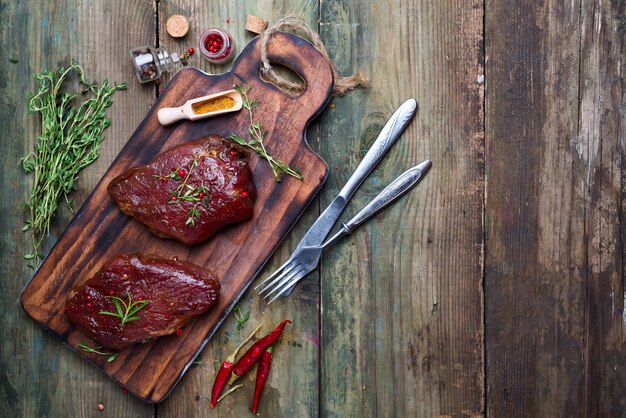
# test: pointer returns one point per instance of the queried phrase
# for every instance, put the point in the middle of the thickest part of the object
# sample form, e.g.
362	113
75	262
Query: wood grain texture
402	318
602	135
554	280
100	230
39	376
292	387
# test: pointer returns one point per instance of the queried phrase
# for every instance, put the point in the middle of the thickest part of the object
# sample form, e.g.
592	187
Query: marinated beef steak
189	192
175	291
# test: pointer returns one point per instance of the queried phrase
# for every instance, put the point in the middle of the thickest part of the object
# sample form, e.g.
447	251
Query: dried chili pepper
261	376
255	352
224	372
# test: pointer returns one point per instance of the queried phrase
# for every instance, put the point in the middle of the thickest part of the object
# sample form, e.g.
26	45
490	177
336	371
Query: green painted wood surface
528	176
402	300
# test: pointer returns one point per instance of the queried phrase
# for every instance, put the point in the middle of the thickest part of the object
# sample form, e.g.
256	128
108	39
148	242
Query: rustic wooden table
495	288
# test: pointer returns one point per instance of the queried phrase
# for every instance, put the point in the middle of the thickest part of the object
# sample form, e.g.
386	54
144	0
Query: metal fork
308	258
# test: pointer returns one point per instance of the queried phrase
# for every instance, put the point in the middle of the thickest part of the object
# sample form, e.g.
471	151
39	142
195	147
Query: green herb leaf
241	318
71	134
130	307
111	356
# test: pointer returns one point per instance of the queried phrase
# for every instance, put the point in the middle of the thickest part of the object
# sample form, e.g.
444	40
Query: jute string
297	25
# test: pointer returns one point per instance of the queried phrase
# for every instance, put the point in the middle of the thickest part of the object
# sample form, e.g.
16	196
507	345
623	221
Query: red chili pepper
224	371
255	352
261	376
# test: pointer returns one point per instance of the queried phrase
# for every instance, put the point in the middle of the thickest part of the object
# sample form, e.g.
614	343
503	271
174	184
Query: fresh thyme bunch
71	134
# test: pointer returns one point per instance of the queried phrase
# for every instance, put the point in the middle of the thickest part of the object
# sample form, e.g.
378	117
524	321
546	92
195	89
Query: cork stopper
177	26
255	24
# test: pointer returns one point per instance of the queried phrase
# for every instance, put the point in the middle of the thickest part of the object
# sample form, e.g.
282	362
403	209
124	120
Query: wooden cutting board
100	230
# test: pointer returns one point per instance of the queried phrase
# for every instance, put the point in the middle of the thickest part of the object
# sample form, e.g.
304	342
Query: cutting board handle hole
288	74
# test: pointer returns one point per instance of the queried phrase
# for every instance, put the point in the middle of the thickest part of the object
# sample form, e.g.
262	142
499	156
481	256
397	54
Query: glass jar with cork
150	63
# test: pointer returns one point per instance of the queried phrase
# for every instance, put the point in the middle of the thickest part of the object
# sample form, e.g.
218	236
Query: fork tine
278	270
286	270
292	282
286	279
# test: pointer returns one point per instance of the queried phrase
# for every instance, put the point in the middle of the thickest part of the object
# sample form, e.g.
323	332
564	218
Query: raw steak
189	192
176	291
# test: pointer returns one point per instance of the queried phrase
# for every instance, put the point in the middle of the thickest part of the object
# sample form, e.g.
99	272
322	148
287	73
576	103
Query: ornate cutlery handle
390	194
387	137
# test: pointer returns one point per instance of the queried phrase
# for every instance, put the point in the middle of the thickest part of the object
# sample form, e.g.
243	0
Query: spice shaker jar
217	46
150	63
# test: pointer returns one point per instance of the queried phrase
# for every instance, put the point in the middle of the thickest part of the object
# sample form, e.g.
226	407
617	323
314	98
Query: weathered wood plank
602	134
535	251
291	389
553	279
402	300
40	376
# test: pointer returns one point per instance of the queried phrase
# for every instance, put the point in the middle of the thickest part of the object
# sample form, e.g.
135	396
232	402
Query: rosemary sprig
71	134
111	356
187	193
192	215
241	318
130	308
256	139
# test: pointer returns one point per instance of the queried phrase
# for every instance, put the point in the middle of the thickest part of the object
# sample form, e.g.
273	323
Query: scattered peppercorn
100	407
89	305
244	194
182	172
179	332
125	391
174	197
190	51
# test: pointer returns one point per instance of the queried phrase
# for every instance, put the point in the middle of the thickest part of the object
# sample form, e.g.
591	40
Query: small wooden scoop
225	102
